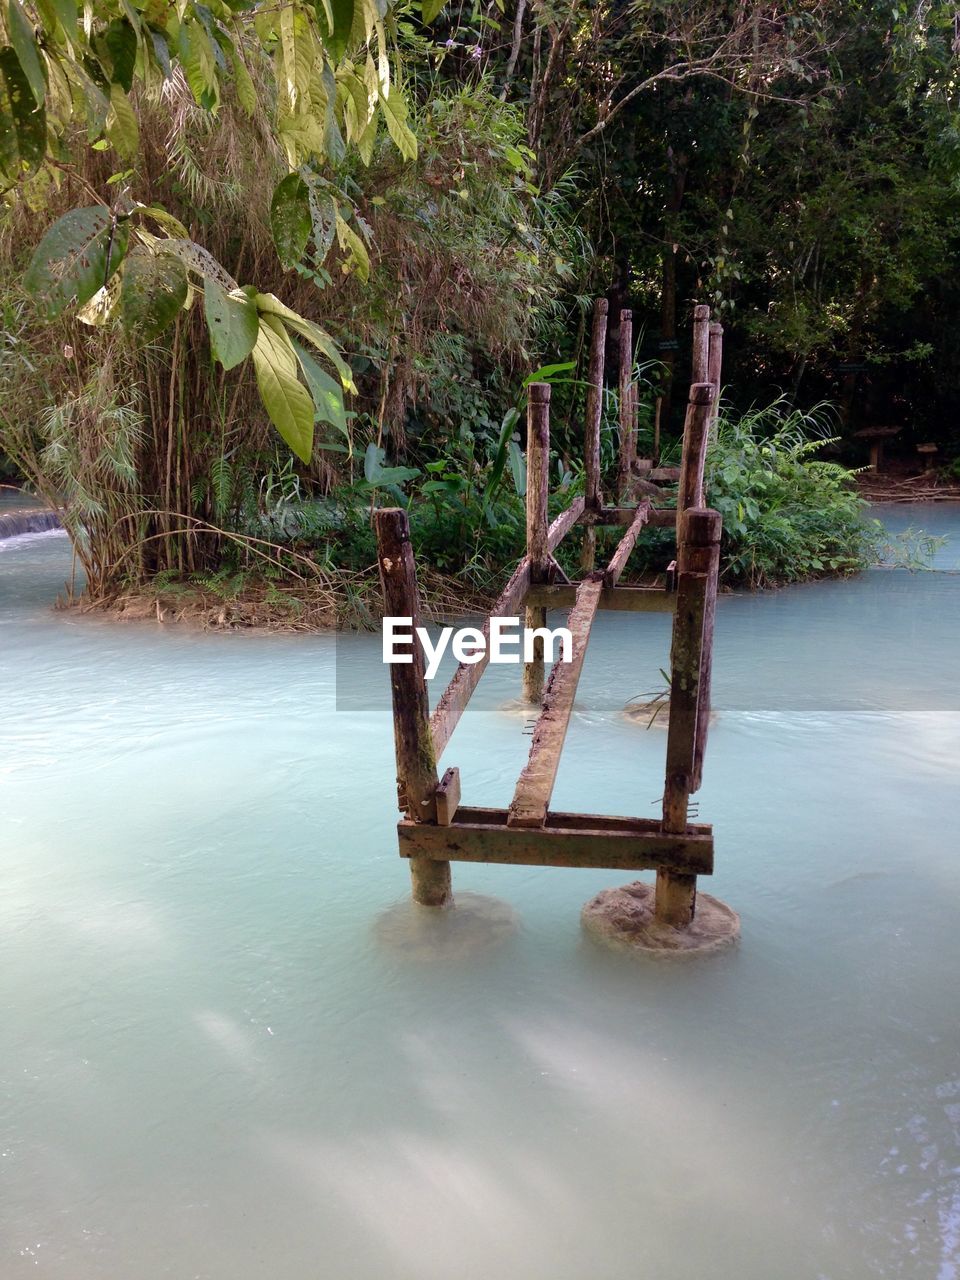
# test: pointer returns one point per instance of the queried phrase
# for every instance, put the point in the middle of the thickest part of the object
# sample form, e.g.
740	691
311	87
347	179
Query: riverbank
294	594
335	602
895	487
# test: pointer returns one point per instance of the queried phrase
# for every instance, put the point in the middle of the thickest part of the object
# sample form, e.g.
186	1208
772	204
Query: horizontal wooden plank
618	561
535	784
455	697
478	815
665	473
609	517
631	847
561	526
619	599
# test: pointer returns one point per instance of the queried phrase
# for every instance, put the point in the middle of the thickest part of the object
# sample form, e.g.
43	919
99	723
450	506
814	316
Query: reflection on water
219	1056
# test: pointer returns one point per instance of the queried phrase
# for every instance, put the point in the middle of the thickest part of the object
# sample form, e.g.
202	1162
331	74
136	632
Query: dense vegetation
294	260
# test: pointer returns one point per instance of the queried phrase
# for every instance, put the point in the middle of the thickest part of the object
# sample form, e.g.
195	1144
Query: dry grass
343	601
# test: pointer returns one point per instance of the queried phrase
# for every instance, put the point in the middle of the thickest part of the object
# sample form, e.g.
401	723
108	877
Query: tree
322	78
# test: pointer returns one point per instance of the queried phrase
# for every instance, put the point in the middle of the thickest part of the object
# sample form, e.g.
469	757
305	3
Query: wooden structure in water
437	828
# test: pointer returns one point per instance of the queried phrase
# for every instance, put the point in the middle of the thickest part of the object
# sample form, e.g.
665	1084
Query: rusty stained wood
538	548
706	559
627	436
700	530
448	796
701	344
618	561
598	342
538	477
611	517
567	840
695	437
531	797
561	525
416	763
465	679
591	432
616	599
684	694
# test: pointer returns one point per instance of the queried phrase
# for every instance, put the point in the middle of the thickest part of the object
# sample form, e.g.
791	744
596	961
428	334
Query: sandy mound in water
624	918
652	715
473	925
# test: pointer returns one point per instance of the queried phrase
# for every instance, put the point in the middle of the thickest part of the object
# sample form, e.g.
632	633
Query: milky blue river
229	1051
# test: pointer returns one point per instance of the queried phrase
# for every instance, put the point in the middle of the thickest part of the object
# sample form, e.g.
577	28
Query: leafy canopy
323	77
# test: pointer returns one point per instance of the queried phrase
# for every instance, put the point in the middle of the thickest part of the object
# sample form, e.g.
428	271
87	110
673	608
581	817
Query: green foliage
787	516
329	77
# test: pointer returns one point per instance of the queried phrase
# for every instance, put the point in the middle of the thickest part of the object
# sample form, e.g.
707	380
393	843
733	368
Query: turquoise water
224	1056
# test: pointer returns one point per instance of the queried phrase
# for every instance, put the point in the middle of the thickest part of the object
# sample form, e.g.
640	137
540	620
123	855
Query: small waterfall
13	523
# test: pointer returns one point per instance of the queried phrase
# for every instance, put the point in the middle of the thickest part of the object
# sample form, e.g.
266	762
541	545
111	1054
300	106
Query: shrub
786	514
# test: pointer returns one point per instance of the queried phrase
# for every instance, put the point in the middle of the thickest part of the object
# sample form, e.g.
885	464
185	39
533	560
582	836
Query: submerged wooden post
627	440
700	363
699	539
416	765
592	494
705	559
538	551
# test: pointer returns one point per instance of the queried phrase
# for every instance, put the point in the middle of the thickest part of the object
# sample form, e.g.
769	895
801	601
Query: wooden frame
437	829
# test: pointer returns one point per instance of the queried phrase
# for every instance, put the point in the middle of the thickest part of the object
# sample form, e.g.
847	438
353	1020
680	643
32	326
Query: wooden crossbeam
535	784
455	697
618	561
608	517
564	522
617	599
566	840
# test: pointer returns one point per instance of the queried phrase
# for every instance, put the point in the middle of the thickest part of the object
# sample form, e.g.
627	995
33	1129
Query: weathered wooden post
700	364
538	483
591	434
711	565
697	560
416	765
695	439
627	438
715	371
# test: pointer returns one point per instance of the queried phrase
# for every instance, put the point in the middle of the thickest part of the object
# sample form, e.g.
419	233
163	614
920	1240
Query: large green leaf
395	113
430	9
153	290
22	39
327	393
285	398
122	131
376	474
66	12
76	257
246	93
290	219
199	63
232	321
121	42
23	125
339	37
270	305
